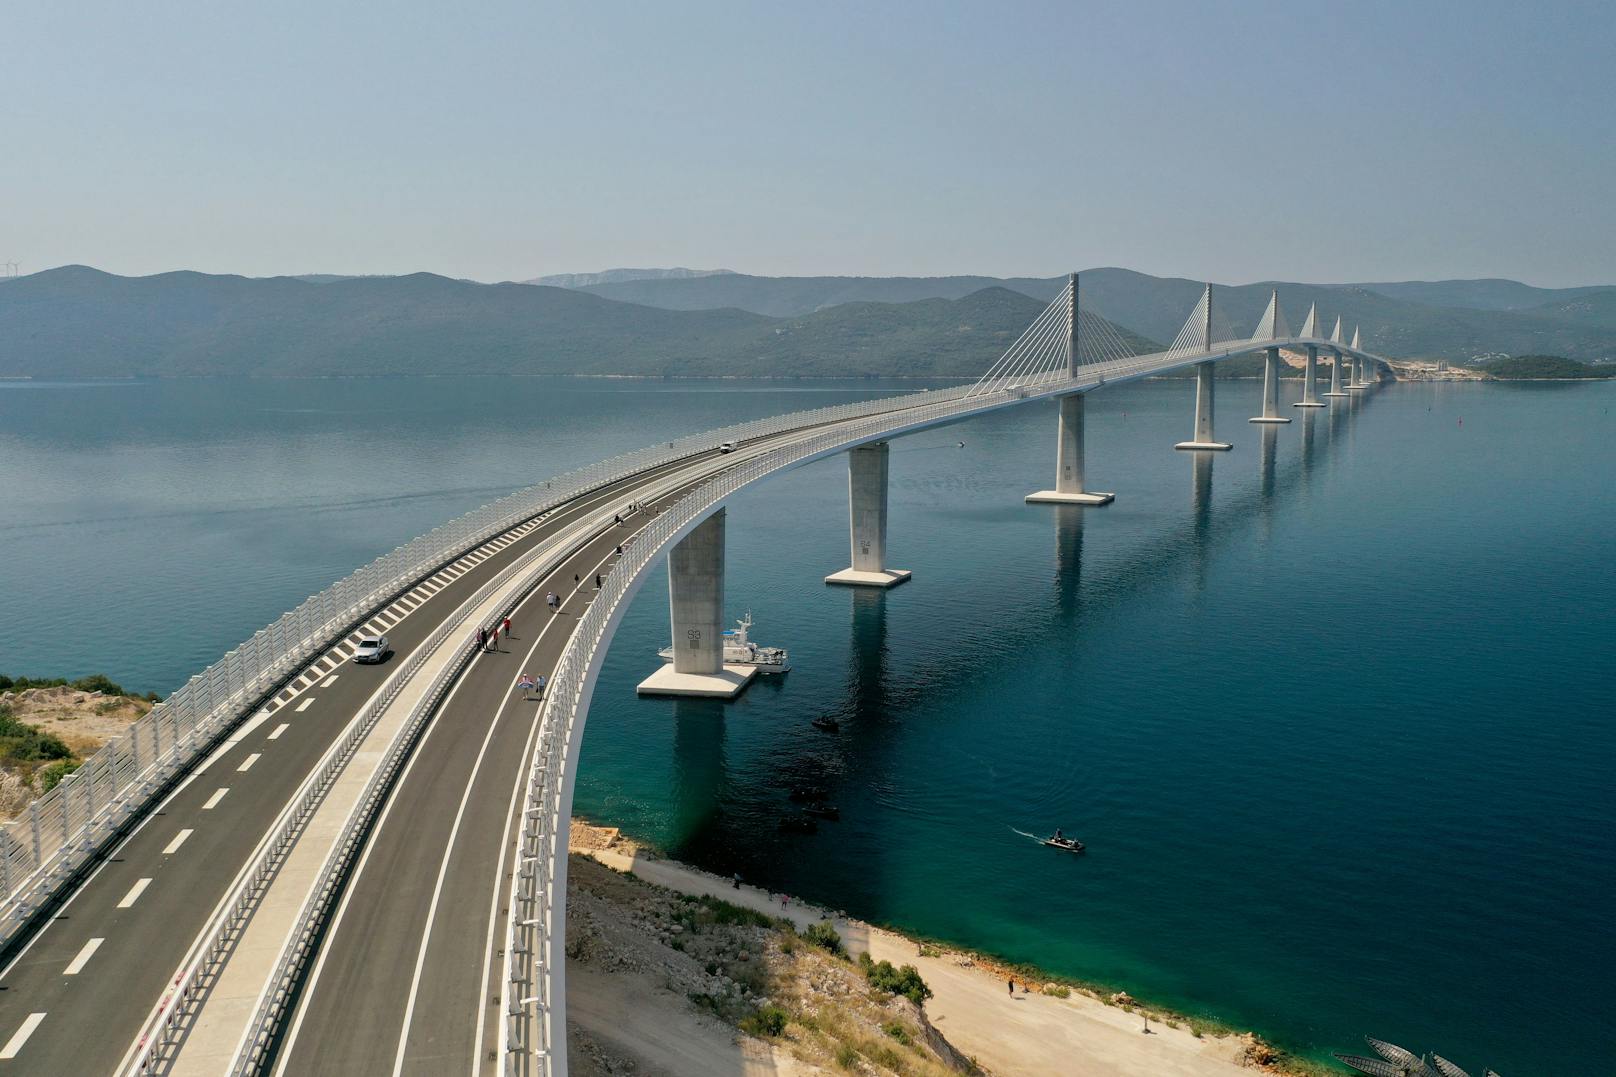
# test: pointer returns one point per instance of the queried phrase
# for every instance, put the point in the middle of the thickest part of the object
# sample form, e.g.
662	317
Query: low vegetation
50	725
903	981
24	747
1545	368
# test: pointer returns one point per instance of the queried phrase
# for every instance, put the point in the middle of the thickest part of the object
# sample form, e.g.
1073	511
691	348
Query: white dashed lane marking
14	1044
174	846
84	956
283	727
303	706
215	798
134	893
246	764
329	681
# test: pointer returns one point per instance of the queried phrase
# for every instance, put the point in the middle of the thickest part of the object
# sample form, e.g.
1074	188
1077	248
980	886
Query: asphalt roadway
74	996
407	981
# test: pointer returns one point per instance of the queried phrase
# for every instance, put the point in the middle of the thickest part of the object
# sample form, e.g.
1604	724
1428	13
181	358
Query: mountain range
79	322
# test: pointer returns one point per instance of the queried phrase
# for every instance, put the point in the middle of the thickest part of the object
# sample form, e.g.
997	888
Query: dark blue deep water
1331	710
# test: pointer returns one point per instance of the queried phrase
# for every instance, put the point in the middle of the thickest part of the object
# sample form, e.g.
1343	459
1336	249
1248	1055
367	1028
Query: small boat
828	725
739	650
798	825
824	811
1061	841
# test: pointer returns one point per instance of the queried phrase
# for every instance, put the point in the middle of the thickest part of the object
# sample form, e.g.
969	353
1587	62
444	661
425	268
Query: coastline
1050	1023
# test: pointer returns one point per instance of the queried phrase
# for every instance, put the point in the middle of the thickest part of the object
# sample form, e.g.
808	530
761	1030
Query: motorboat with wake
739	650
1058	840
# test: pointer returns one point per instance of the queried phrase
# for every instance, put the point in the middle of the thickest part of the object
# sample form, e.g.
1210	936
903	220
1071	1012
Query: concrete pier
1335	377
867	515
1069	488
1270	389
696	605
1356	372
1204	438
1310	381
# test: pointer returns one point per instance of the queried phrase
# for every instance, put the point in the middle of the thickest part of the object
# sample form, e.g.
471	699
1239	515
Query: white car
371	649
728	446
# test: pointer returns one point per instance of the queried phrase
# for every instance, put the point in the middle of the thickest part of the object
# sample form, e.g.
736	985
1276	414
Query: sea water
1332	710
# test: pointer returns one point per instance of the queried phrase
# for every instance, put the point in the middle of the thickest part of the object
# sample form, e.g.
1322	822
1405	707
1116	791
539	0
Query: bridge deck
408	972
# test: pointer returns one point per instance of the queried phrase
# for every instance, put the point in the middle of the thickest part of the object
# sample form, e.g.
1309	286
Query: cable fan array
1043	354
1203	334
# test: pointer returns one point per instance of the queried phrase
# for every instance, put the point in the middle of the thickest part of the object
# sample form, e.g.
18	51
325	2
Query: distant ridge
1579	322
79	322
617	276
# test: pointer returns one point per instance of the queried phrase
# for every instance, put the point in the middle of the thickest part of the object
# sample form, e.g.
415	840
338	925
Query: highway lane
407	978
151	896
429	866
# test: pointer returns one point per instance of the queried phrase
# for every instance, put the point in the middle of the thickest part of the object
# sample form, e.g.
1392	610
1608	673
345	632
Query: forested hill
1458	320
77	322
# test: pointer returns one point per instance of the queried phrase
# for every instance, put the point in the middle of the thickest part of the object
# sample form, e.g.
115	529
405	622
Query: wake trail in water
1024	834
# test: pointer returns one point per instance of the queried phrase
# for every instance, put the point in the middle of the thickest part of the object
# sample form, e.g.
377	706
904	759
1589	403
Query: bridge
297	864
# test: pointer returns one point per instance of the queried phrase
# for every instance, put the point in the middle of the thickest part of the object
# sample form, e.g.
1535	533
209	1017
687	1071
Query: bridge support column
1069	461
696	603
867	512
1204	438
1310	381
1356	372
1335	377
1270	389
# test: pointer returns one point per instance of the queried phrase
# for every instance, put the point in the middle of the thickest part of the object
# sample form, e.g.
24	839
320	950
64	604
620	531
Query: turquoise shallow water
1332	712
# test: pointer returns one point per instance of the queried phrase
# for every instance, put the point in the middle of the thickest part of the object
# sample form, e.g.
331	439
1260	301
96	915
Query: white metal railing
281	986
532	1039
534	925
188	989
62	831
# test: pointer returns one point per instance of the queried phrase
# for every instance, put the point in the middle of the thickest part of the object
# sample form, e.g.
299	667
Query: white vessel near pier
739	650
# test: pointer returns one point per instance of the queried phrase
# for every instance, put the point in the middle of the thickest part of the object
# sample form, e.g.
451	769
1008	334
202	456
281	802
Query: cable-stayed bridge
300	865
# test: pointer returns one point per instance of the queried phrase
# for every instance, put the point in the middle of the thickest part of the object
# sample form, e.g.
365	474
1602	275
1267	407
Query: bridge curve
694	481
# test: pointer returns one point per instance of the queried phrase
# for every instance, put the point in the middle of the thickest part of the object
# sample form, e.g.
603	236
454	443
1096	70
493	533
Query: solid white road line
14	1044
215	798
276	733
134	893
303	706
179	839
84	955
329	681
246	764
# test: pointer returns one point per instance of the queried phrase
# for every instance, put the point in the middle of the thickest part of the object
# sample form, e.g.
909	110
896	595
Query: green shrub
897	1032
722	912
22	744
1058	990
95	682
767	1023
903	981
823	935
52	776
847	1056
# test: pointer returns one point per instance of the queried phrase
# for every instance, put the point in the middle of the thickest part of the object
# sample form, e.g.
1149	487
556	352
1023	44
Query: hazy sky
492	140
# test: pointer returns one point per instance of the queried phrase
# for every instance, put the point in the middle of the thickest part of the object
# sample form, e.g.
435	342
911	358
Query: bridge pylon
867	516
1069	488
1204	387
696	610
1268	329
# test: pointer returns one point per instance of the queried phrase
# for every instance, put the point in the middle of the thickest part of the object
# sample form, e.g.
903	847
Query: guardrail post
33	826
